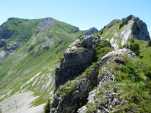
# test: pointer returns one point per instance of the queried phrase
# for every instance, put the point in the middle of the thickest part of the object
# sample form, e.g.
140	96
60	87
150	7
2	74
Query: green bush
91	108
134	47
137	96
102	48
67	88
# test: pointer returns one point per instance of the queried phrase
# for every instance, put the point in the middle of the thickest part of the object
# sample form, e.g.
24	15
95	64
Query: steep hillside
30	51
97	77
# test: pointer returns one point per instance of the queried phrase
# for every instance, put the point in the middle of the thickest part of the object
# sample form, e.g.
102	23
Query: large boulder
2	43
69	101
76	59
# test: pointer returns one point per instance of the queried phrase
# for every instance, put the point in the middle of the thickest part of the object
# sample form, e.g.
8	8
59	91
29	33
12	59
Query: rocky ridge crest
85	85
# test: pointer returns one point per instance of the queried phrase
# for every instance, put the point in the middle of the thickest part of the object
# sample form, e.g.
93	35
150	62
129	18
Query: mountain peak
91	31
138	27
118	32
131	17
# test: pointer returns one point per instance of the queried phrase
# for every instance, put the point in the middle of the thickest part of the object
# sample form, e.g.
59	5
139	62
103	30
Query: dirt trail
20	103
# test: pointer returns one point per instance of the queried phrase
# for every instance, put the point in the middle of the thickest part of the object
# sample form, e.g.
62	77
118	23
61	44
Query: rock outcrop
87	86
77	97
102	99
133	27
138	29
45	24
78	56
118	32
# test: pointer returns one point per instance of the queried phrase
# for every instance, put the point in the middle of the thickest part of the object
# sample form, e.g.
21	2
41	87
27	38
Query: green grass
39	53
133	79
110	30
132	83
34	56
102	48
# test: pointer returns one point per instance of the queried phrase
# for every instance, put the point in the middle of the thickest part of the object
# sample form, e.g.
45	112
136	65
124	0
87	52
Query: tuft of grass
102	48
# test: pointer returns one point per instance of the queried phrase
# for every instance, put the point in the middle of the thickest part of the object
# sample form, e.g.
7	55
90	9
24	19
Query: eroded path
20	103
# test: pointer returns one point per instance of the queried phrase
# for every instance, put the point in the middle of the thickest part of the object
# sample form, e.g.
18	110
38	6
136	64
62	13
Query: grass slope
32	65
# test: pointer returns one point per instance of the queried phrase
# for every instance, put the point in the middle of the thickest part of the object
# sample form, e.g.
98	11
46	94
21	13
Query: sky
81	13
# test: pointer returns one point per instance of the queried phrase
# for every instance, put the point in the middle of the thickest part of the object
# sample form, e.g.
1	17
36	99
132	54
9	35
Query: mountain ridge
76	71
29	66
99	88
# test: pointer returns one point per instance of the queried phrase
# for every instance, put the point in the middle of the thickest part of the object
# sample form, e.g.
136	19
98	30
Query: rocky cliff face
77	57
93	76
86	87
118	32
140	30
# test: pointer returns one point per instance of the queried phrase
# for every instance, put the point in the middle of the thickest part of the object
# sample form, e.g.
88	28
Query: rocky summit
118	32
48	66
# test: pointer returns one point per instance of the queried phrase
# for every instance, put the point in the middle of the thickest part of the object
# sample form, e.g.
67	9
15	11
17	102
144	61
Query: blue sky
82	13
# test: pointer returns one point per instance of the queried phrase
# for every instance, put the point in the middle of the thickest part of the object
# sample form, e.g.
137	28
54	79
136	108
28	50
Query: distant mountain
29	53
16	32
